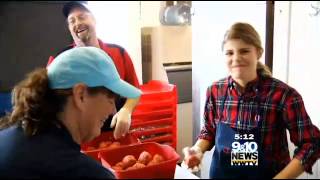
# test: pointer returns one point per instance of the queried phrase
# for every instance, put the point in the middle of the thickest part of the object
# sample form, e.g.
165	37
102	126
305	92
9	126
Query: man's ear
79	95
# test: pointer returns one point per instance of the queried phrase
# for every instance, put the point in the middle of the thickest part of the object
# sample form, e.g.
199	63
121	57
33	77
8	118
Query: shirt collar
101	44
251	86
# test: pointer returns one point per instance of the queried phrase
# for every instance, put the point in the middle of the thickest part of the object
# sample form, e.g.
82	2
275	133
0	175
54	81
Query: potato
128	160
104	144
152	162
117	168
136	166
192	161
139	165
119	164
145	158
131	168
114	145
158	158
90	148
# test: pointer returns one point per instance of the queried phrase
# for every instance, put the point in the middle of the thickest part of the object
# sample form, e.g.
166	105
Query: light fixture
178	14
315	5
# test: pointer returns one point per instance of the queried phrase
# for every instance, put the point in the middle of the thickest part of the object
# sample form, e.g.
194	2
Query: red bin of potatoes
141	161
106	141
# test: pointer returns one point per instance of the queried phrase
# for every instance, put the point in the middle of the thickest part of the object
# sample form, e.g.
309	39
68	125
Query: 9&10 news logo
245	154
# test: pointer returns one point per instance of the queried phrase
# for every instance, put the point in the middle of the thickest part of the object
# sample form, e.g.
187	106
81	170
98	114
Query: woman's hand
192	158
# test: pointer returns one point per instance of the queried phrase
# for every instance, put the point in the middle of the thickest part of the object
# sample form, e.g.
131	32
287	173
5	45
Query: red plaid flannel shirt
281	109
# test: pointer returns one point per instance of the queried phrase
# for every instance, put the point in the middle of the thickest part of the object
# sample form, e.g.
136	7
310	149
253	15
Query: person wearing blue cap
55	109
82	26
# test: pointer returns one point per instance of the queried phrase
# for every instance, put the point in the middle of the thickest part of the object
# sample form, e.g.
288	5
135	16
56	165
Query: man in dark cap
82	26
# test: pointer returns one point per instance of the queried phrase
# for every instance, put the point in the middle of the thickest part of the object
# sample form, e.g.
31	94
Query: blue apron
239	153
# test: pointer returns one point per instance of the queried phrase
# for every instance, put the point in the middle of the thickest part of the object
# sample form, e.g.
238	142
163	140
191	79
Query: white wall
119	22
150	13
296	56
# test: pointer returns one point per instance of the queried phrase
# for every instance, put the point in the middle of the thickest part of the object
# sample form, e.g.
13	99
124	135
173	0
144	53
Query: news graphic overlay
244	150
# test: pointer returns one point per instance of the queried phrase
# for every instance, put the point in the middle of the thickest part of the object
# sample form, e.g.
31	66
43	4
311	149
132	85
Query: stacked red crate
155	117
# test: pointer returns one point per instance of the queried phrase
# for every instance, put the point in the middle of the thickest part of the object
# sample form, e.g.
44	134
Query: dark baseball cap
74	4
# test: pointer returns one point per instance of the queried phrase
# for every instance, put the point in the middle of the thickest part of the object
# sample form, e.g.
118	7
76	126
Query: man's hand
122	121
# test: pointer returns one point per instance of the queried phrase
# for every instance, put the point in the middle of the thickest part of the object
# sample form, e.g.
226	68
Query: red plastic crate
165	169
168	100
155	106
159	130
142	124
155	117
157	87
154	126
157	90
129	139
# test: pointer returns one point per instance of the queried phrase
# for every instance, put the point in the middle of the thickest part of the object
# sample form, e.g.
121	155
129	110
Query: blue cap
91	66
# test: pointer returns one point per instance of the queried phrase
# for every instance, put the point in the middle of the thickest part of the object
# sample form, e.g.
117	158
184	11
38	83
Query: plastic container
152	129
152	123
154	126
155	105
165	169
155	117
157	87
157	90
129	139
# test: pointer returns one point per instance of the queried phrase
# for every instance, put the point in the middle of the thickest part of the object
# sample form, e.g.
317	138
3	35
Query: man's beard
83	40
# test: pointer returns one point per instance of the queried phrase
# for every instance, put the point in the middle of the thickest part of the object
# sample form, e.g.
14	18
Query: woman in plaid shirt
246	117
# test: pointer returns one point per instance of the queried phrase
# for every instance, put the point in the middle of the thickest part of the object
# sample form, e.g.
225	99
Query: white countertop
182	173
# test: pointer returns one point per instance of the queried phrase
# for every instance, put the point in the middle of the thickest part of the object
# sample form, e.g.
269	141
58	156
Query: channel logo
245	154
244	159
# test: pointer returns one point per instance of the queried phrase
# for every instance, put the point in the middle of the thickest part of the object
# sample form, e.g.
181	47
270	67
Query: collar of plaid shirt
240	101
